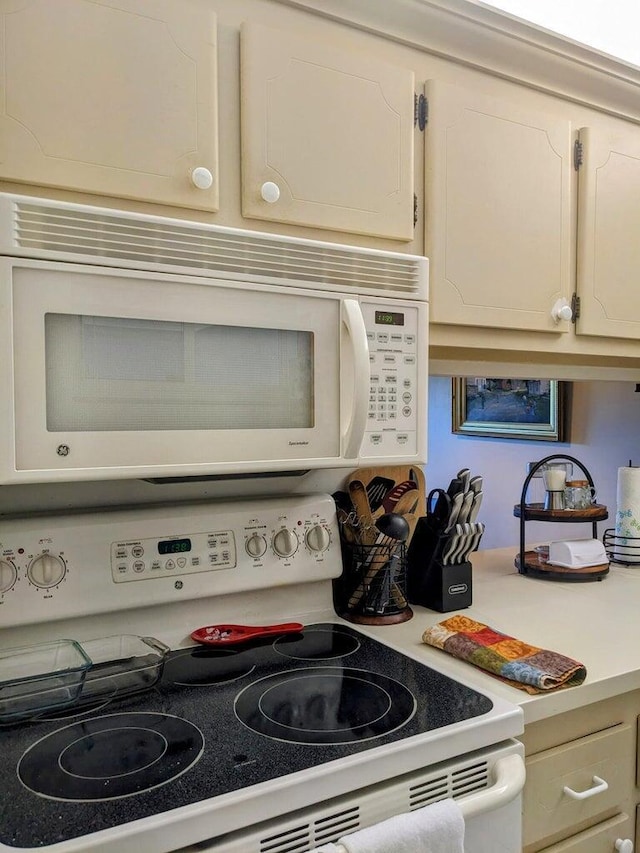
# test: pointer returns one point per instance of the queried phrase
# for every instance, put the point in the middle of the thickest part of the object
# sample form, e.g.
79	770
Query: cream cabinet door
327	136
116	97
498	211
608	233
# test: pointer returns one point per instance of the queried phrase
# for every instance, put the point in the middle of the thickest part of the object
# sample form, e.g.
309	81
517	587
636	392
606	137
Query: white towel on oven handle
438	828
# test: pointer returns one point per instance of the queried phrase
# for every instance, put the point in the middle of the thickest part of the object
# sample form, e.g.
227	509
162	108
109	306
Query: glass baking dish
121	665
39	678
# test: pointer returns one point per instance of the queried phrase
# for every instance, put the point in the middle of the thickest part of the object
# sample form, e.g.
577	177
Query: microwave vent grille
55	231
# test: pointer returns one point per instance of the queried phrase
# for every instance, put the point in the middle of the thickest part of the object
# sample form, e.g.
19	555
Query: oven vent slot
298	838
469	778
332	826
295	840
57	231
429	791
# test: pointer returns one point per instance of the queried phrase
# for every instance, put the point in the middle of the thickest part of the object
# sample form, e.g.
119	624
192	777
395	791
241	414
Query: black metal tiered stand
528	562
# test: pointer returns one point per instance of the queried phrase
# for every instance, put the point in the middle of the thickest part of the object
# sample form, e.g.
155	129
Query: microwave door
123	374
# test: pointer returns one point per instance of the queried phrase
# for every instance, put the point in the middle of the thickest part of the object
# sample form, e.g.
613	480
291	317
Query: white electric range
277	745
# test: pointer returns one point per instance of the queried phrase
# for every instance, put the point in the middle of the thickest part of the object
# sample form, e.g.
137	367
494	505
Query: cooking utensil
393	496
377	489
451	544
228	635
465	508
475	506
464	474
475	484
454	487
360	500
456	503
438	509
475	539
407	504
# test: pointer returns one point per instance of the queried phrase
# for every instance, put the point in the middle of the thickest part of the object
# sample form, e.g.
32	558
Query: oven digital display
389	318
174	546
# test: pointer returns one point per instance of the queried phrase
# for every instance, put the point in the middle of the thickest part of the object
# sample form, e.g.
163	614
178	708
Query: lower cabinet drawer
598	839
570	786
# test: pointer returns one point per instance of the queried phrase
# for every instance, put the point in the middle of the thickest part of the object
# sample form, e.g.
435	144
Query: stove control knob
285	543
46	571
255	545
318	538
8	575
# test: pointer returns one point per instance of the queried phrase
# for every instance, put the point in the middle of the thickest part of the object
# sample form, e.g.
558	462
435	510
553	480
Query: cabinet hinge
575	307
420	111
577	154
415	210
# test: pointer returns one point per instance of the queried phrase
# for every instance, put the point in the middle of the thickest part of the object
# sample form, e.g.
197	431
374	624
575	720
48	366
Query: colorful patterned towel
519	664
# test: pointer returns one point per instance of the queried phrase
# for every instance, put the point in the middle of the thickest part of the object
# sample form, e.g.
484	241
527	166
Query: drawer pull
599	786
624	845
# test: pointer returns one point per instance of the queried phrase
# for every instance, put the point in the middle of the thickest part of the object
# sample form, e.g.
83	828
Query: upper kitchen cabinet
608	229
327	136
498	211
116	98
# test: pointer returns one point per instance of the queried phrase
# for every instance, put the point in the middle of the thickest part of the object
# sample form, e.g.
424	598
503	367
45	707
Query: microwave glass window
112	373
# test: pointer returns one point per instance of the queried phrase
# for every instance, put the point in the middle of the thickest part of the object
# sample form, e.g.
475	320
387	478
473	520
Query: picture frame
530	409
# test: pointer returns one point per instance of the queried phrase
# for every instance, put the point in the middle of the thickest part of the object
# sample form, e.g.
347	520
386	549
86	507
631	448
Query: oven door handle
509	775
357	335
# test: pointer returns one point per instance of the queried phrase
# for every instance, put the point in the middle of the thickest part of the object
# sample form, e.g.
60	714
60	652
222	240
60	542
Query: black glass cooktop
218	721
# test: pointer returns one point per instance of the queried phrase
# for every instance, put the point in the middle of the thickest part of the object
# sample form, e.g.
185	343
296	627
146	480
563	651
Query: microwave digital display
174	546
389	318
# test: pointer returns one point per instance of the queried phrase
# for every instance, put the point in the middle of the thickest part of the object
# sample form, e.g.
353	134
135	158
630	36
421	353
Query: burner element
325	705
112	753
204	667
324	643
116	755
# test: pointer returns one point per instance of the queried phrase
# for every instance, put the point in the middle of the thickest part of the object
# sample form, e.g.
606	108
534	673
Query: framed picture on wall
534	409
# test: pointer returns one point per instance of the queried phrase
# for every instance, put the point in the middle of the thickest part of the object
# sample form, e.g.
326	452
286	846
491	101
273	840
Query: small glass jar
578	494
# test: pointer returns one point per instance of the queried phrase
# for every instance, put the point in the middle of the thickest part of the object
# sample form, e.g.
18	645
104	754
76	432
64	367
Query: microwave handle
357	332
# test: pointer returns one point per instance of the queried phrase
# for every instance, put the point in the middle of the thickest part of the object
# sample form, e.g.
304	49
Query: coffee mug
579	495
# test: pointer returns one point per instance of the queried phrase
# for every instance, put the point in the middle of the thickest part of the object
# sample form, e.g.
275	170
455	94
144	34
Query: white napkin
438	828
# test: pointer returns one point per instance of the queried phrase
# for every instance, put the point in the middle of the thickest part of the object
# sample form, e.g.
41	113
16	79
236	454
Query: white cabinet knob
201	178
624	845
270	192
561	310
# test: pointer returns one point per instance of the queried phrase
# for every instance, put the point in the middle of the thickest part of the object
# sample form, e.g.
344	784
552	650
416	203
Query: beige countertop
597	623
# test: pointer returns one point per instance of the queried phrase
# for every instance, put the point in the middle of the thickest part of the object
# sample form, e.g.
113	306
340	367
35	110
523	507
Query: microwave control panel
395	391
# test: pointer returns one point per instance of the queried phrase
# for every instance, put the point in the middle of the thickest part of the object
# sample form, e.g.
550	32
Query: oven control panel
59	566
179	554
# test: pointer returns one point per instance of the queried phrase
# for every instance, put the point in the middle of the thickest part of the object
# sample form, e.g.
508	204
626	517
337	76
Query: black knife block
429	583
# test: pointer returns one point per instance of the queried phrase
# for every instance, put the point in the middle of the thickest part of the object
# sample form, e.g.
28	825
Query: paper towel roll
628	516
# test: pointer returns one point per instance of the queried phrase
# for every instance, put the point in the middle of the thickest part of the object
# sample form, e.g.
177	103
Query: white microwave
134	346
